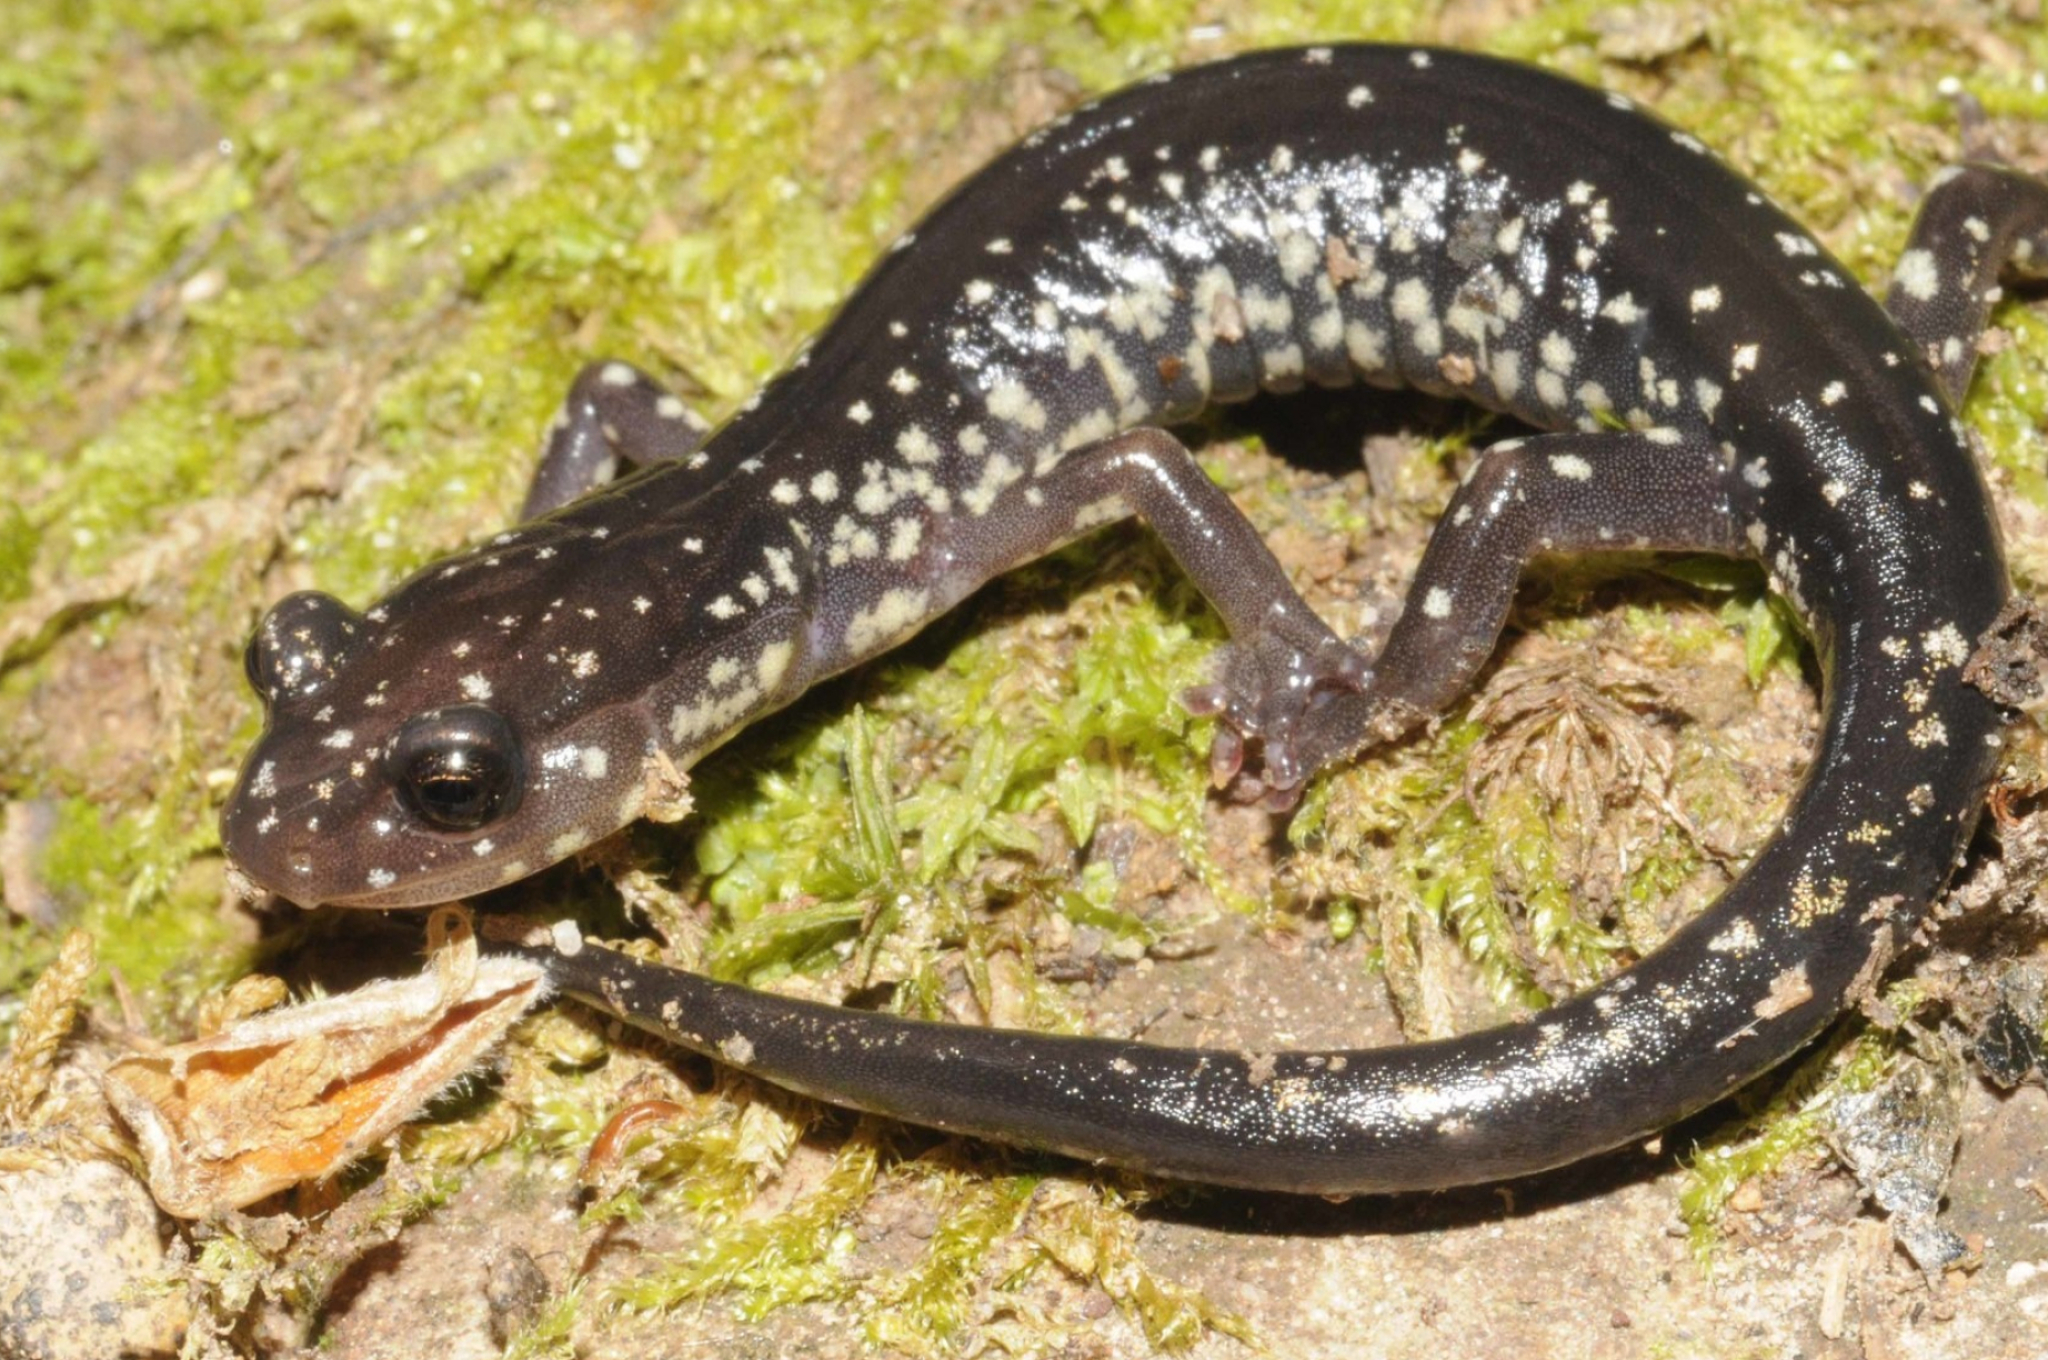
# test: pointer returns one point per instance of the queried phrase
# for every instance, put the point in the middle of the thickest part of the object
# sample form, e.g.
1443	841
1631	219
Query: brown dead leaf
297	1093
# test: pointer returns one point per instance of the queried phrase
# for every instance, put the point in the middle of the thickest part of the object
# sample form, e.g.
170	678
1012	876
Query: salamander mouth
285	852
423	889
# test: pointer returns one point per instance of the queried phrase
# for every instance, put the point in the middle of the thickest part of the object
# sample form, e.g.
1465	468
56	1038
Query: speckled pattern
1712	380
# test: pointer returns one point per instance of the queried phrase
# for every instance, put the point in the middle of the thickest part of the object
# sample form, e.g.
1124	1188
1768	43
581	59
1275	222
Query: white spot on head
1358	96
617	375
1706	299
474	687
1571	467
1743	360
859	413
903	381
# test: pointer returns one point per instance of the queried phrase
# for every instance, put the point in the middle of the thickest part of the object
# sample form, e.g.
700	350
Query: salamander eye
458	768
299	645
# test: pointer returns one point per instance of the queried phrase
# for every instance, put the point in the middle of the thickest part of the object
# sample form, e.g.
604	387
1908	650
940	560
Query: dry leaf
298	1093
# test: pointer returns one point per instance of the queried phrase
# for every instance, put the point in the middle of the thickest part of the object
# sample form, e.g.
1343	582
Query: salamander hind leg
614	413
1981	224
1566	493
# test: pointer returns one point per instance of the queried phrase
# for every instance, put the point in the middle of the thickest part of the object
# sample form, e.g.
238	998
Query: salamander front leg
1565	493
614	412
1981	223
1150	474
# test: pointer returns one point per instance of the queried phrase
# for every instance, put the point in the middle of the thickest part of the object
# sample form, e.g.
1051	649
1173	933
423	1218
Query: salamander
1700	374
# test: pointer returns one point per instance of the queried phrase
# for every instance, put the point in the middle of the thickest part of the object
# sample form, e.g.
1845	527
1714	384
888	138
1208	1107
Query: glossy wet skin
492	715
1712	379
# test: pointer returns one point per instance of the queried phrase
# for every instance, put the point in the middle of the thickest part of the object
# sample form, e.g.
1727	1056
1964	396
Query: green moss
1788	1117
548	1337
2008	403
921	1310
1092	1236
796	1256
1774	637
127	878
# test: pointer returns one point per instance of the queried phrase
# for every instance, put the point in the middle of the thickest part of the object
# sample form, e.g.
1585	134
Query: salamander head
494	715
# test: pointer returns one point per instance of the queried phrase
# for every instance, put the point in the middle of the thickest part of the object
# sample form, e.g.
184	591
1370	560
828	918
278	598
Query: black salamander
1711	380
